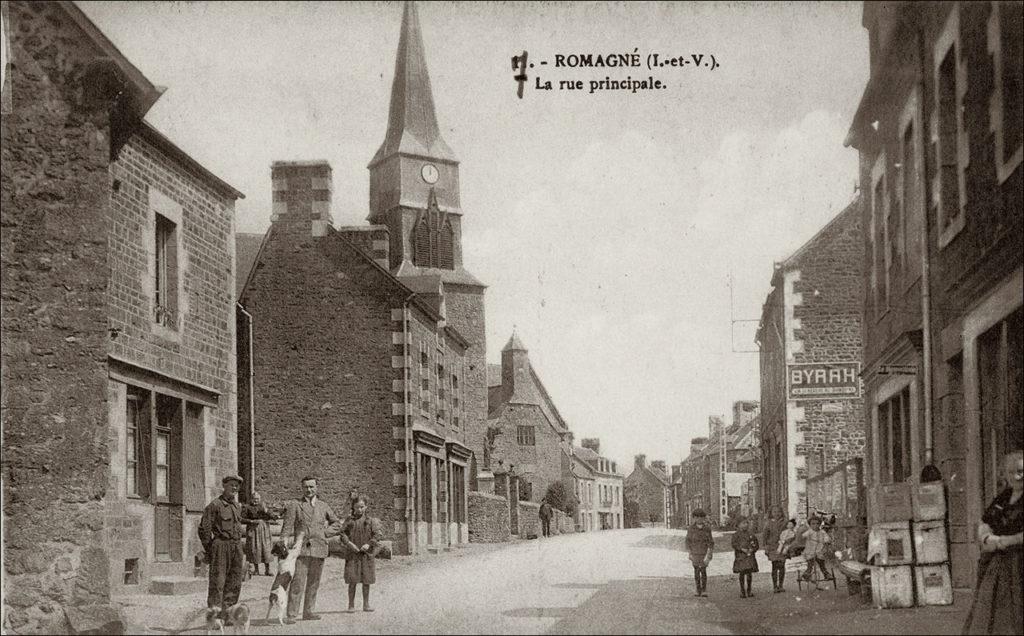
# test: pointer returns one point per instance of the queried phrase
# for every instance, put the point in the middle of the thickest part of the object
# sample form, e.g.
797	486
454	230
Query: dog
286	559
214	623
237	617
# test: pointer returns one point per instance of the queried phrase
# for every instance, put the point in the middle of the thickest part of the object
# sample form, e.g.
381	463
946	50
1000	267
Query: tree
561	497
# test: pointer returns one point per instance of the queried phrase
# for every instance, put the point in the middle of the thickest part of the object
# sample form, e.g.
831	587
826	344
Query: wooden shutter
174	530
193	455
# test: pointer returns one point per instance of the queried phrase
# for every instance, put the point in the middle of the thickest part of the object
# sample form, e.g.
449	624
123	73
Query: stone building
584	481
648	488
368	341
118	331
534	438
690	484
608	483
812	416
939	134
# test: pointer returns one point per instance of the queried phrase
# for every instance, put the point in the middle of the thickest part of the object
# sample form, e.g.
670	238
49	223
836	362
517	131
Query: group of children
782	540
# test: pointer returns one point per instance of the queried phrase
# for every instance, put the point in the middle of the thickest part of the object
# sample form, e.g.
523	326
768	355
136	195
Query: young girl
744	543
361	534
786	538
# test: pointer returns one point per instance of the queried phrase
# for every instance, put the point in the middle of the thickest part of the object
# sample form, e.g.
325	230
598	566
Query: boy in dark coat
700	545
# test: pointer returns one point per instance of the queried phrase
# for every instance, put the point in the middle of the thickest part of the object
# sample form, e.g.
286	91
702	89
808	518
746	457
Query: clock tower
414	192
414	176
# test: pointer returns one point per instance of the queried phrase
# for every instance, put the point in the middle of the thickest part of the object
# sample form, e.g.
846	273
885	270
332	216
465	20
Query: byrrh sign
823	380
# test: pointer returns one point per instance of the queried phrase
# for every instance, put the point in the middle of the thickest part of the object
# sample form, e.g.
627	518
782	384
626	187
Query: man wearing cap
221	532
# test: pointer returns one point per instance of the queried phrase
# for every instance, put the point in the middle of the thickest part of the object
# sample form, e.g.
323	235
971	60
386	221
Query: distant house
608	485
647	487
534	438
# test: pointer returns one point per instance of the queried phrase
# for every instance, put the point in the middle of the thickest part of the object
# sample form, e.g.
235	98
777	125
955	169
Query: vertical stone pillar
485	482
513	503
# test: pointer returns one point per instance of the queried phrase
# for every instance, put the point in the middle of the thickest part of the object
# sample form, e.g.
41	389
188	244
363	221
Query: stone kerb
489	520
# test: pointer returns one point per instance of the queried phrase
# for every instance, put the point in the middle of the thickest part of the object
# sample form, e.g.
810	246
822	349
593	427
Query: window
948	132
912	213
426	488
1001	388
166	280
879	218
434	240
525	436
894	424
1007	101
136	431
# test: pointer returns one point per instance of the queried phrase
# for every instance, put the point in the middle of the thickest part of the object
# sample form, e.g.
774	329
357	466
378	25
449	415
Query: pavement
612	581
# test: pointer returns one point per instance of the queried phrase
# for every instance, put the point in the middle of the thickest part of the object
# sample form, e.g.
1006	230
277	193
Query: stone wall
539	464
488	518
529	520
562	523
55	189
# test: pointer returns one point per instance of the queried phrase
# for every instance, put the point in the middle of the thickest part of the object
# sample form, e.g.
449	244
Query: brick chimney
697	444
640	461
592	443
677	470
302	195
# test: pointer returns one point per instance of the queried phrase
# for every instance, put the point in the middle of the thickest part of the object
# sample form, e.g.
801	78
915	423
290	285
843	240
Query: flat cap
232	478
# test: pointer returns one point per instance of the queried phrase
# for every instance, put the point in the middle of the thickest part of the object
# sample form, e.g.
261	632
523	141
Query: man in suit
317	521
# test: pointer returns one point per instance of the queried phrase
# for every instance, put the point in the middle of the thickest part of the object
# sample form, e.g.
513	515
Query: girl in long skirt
744	544
770	539
998	606
361	534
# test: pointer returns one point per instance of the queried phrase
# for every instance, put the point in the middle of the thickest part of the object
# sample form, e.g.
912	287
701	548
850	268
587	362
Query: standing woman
998	606
257	534
773	529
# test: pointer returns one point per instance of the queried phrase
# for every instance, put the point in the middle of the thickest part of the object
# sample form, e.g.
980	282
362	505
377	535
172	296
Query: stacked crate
908	542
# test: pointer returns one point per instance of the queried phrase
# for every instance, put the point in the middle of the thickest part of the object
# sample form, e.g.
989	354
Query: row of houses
720	472
892	340
149	349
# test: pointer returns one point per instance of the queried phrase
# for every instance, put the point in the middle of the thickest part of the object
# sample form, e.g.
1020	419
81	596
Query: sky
628	238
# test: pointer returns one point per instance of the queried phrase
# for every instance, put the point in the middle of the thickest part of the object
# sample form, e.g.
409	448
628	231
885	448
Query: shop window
1001	387
136	433
894	423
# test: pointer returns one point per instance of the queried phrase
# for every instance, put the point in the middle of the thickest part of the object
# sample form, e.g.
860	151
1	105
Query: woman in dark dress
258	543
998	606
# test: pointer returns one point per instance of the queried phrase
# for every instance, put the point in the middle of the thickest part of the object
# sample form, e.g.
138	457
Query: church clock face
429	173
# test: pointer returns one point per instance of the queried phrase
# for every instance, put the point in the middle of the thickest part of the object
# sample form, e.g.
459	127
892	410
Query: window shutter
193	465
174	531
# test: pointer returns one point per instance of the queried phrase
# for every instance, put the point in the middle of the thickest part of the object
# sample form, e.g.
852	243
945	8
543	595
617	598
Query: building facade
812	416
939	134
118	344
607	481
648	488
532	436
371	336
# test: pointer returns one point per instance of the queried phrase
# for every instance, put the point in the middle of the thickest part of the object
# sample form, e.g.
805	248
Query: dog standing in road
285	571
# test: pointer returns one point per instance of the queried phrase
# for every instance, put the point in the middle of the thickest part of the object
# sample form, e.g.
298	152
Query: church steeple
412	121
414	176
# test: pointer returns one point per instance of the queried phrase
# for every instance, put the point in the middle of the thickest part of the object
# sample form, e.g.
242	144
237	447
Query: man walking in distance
545	517
221	532
317	521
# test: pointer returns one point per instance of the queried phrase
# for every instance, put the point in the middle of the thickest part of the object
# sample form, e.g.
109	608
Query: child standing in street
816	543
744	544
361	534
700	545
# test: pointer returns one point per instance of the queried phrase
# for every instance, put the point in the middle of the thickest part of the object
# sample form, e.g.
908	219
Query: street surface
614	581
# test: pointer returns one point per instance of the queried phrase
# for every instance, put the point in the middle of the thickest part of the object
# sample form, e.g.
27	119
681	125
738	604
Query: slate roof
247	249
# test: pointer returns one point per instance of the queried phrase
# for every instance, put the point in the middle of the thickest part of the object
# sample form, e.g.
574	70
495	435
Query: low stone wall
562	523
529	520
488	518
